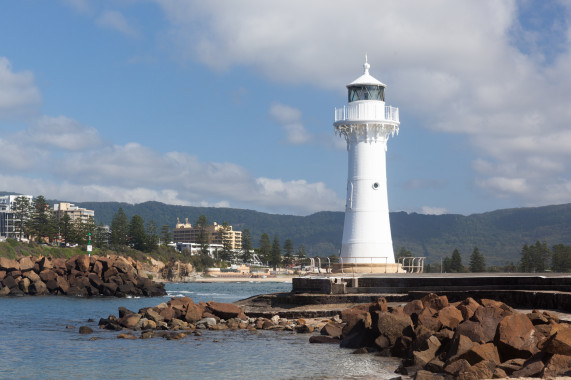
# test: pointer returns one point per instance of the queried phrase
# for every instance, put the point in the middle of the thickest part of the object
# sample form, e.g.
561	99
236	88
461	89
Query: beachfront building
10	221
74	212
217	235
366	124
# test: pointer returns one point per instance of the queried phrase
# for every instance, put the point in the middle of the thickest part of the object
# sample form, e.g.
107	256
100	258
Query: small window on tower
376	186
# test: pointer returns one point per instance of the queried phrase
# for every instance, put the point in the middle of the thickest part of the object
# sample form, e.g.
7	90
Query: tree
276	253
403	252
137	234
101	236
288	252
22	210
265	247
477	261
66	228
301	254
166	235
203	238
119	229
246	245
456	262
561	258
534	258
152	237
41	221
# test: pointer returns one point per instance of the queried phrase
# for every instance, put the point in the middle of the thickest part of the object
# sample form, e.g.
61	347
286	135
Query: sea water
36	342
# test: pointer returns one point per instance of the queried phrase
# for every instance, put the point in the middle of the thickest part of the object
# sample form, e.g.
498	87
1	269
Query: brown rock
193	313
379	305
85	330
33	276
9	264
427	375
130	320
516	337
468	307
559	342
382	342
457	367
26	264
2	274
422	358
530	369
355	318
393	325
482	370
98	268
472	330
167	314
45	263
23	284
480	352
224	310
126	336
62	284
48	274
323	339
153	316
332	329
427	319
449	317
38	288
512	365
435	301
557	365
489	317
459	345
413	307
58	263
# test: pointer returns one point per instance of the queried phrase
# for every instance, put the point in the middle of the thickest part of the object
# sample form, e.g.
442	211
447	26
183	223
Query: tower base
367	268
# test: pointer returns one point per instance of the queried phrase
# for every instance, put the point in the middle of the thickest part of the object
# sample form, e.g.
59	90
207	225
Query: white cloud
58	154
114	20
19	95
442	64
289	119
61	133
428	210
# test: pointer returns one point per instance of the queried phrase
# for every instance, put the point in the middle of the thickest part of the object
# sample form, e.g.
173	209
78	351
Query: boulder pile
181	317
78	276
463	340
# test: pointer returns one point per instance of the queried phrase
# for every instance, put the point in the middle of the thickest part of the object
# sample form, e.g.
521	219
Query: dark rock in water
225	310
85	330
323	339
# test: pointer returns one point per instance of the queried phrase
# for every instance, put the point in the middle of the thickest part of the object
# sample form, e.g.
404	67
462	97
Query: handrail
367	111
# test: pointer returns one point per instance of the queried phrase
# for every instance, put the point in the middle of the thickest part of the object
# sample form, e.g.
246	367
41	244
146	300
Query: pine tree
166	235
276	253
203	239
246	245
456	262
119	229
41	222
477	261
288	252
22	210
265	247
137	234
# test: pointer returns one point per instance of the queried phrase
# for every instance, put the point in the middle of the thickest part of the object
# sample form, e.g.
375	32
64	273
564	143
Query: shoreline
286	279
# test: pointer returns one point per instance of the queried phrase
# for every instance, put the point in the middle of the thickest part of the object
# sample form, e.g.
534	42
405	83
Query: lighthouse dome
366	87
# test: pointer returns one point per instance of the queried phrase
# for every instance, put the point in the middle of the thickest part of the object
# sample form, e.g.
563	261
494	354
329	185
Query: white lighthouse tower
366	123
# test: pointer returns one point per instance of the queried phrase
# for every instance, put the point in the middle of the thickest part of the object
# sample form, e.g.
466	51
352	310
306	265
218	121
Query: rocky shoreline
81	276
435	339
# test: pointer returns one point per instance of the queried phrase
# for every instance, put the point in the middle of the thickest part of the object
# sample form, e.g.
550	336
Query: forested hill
499	235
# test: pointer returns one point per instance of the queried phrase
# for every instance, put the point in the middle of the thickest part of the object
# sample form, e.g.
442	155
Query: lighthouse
366	124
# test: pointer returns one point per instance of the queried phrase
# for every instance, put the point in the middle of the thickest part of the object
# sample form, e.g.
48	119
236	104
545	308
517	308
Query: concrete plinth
367	268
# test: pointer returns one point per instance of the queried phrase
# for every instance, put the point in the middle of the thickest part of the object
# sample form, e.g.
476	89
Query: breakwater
80	275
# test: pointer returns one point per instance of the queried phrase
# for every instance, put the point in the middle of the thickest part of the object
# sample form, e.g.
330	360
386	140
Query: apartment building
217	234
74	212
9	220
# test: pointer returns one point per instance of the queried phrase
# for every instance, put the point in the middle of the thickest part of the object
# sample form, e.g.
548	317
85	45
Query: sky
231	103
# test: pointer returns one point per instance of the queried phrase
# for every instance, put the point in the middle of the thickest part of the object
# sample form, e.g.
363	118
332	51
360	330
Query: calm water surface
35	343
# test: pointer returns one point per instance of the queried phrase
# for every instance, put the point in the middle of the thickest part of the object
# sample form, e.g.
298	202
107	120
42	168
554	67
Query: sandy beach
245	279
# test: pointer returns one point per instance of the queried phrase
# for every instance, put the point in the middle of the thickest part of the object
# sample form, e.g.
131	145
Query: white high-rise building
366	123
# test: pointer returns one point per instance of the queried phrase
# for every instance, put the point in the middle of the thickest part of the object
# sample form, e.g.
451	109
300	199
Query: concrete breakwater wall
80	275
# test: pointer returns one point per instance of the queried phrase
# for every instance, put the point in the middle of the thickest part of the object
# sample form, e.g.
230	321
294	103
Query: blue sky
230	103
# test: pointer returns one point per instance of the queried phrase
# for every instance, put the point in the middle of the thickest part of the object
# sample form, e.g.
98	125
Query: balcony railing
367	111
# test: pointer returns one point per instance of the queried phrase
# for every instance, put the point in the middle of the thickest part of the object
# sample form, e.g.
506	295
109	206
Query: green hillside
499	235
